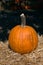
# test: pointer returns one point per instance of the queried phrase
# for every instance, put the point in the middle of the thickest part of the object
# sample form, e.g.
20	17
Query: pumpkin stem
23	19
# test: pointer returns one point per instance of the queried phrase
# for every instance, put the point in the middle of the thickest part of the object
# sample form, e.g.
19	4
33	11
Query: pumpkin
22	38
17	1
27	7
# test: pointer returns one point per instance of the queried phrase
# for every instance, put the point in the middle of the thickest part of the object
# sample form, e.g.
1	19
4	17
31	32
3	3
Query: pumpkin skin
23	39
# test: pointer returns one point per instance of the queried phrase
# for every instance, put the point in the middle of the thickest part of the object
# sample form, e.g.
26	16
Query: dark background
10	17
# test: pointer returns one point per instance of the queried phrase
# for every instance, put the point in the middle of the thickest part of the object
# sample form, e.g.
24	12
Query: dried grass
8	57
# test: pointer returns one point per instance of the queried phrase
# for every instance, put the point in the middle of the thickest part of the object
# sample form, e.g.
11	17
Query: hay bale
8	57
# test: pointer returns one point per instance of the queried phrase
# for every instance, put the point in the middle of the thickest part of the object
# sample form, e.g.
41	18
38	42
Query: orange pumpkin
23	39
27	7
17	1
